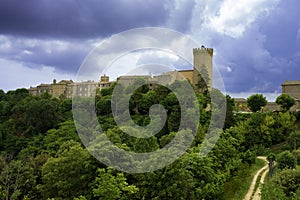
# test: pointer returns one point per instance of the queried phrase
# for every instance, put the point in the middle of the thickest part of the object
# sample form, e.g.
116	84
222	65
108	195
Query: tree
42	115
68	175
272	191
2	95
103	105
289	181
112	186
286	160
285	101
229	120
294	140
13	176
256	102
203	79
284	125
143	145
271	158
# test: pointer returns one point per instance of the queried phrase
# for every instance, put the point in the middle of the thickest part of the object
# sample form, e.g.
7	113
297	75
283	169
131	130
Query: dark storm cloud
65	56
30	28
72	18
282	29
283	38
266	55
61	33
67	61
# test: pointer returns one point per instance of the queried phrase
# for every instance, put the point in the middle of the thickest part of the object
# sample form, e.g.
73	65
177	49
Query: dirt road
263	170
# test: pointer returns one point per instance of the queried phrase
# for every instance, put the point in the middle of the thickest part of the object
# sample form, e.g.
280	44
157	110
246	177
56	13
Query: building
43	88
83	89
202	66
292	88
67	88
241	105
203	61
60	88
129	80
271	106
104	82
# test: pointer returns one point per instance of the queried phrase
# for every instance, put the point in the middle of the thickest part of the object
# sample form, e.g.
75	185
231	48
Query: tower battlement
204	50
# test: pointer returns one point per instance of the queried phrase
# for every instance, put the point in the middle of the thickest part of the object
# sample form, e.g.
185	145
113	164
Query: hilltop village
67	88
44	155
202	59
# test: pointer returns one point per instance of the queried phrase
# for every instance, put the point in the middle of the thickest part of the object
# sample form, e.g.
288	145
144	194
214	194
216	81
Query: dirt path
256	195
264	169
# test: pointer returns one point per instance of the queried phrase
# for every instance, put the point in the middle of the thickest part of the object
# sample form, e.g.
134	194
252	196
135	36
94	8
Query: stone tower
104	79
203	58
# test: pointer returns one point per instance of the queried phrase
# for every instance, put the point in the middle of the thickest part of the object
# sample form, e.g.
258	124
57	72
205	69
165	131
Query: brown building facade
67	88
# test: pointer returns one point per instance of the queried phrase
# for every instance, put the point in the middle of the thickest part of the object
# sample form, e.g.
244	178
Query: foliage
74	174
285	101
109	185
256	102
271	159
238	185
285	185
271	191
229	120
286	160
42	157
203	79
294	140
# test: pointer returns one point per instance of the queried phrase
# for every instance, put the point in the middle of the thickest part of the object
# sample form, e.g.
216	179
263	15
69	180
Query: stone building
292	88
203	60
271	106
241	105
104	82
43	88
67	88
202	65
60	88
33	91
129	80
83	89
188	75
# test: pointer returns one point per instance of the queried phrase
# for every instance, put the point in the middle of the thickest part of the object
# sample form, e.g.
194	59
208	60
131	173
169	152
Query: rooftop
294	82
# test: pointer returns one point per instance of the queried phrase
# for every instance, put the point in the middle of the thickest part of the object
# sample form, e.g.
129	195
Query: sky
256	42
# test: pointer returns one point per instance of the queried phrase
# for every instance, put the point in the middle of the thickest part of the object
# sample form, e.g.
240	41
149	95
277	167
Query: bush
286	160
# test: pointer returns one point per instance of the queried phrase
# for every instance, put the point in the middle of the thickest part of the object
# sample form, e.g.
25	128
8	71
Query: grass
237	188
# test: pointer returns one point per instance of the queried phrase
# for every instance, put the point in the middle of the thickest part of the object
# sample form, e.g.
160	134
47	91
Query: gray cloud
180	15
266	55
61	33
64	55
69	18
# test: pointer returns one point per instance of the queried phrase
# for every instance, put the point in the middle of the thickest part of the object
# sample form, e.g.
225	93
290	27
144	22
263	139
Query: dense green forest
42	156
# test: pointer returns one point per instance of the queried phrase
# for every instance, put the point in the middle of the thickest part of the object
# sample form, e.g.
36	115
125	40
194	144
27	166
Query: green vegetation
285	185
286	160
256	102
285	101
239	184
42	156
